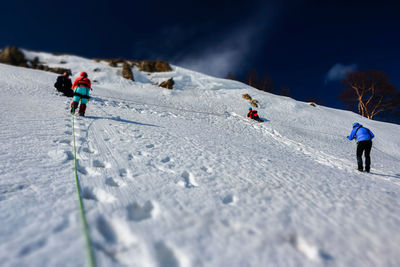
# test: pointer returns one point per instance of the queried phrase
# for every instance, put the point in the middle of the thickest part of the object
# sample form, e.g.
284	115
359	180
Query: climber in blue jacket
364	138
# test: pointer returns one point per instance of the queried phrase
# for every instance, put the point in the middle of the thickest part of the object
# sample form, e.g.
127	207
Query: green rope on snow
82	209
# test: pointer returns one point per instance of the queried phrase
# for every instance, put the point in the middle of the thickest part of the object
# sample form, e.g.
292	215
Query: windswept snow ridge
182	178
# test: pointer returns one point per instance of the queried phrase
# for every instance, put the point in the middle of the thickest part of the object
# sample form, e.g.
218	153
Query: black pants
361	147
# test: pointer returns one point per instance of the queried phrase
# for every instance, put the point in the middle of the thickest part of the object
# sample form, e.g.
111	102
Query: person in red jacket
81	87
253	115
250	113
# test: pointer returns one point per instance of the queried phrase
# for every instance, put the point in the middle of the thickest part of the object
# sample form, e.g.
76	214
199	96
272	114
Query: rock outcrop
14	56
154	66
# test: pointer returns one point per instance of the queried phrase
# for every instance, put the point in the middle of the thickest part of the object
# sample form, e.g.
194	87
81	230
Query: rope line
81	206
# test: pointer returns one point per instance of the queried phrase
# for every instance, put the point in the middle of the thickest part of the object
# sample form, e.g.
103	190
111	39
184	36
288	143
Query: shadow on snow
120	120
386	175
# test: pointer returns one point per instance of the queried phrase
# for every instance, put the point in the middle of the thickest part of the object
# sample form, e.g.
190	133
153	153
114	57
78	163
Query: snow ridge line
81	206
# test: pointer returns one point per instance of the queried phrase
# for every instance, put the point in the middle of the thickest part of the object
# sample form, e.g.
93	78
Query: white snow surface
183	178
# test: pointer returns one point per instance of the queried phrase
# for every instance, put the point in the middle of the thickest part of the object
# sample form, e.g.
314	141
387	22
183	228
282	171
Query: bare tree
252	78
369	92
285	91
230	76
267	84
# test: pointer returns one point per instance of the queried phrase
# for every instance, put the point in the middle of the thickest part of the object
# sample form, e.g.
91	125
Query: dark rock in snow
127	71
169	84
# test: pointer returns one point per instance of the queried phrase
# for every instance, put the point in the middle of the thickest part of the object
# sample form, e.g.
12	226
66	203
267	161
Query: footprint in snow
64	141
137	212
97	194
114	182
166	160
206	169
310	251
86	170
119	243
229	199
188	180
166	256
106	230
68	132
61	155
89	150
31	247
150	146
99	164
81	169
125	173
61	226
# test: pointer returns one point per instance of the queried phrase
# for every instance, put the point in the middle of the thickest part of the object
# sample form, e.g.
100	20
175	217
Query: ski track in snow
177	178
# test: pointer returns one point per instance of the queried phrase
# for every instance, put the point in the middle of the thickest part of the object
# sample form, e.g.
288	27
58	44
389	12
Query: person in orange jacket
82	86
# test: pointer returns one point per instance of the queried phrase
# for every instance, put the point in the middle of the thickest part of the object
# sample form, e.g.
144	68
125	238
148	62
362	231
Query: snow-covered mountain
181	178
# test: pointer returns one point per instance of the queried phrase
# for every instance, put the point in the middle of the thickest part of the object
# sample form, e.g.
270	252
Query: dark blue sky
296	42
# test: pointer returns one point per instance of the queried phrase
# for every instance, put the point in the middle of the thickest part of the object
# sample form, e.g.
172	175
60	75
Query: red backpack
81	82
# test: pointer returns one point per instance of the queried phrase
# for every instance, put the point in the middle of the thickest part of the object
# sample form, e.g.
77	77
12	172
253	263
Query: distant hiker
81	87
64	84
363	137
253	115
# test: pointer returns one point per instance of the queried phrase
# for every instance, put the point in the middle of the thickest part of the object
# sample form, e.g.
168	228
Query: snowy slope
181	178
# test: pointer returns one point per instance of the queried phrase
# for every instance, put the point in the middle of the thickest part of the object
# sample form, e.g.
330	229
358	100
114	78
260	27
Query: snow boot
82	109
74	105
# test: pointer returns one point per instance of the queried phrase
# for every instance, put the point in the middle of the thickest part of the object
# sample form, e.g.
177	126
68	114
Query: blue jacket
360	133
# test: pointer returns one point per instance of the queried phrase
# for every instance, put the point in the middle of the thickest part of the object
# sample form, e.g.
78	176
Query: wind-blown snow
182	178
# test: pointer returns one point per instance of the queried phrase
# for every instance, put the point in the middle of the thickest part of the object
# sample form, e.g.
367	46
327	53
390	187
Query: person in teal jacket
81	87
364	138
